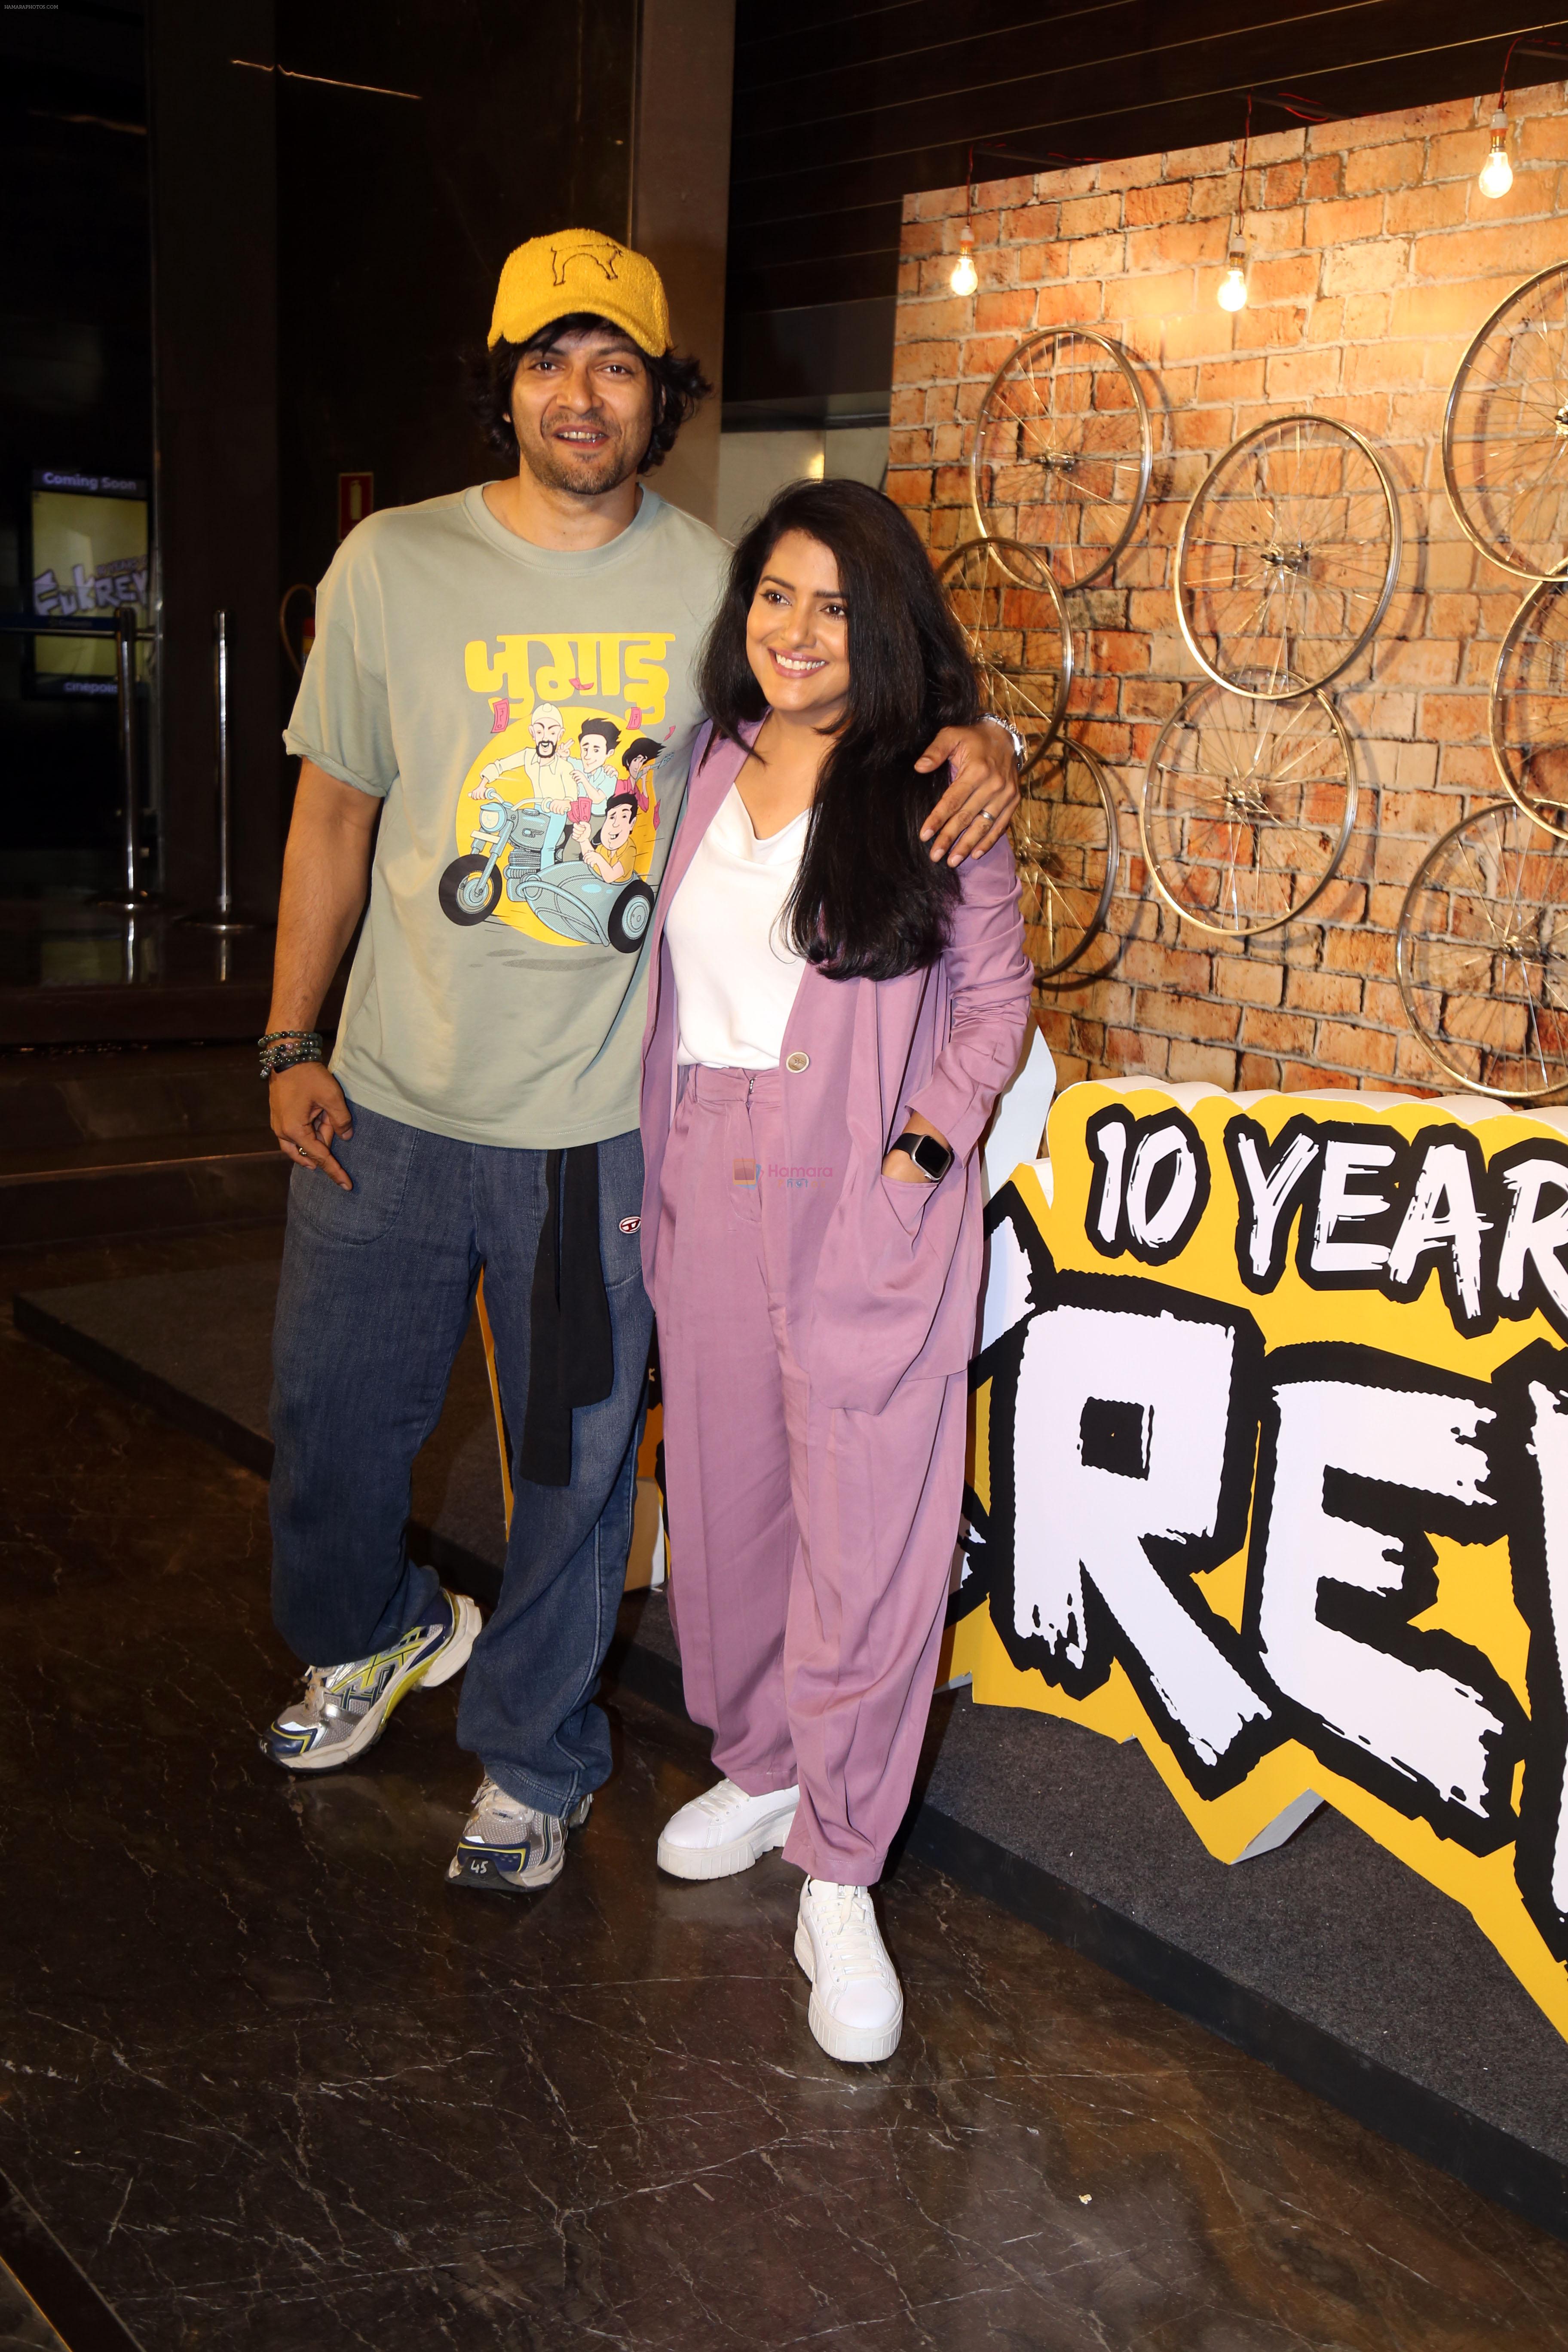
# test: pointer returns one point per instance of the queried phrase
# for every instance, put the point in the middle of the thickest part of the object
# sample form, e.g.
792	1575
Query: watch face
933	1157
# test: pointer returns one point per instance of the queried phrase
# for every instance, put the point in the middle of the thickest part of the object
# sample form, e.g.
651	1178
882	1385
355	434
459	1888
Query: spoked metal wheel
1288	557
1530	706
1011	612
1062	452
1505	430
1483	955
1064	842
1248	805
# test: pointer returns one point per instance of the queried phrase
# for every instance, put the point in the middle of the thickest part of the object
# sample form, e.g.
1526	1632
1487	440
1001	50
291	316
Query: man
482	1109
542	762
605	858
639	760
597	739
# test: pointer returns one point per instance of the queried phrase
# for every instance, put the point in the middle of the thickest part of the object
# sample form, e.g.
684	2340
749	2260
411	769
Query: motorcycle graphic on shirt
567	809
588	901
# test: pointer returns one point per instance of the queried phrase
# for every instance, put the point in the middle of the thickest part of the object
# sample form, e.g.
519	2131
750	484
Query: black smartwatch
931	1157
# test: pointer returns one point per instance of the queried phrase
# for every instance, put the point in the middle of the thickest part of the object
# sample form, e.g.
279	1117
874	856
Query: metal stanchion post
223	916
130	897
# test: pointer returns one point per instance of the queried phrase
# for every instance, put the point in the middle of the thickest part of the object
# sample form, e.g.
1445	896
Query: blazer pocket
909	1200
880	1282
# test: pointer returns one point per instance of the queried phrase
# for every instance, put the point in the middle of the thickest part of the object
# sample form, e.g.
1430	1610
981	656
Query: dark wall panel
76	393
397	211
216	342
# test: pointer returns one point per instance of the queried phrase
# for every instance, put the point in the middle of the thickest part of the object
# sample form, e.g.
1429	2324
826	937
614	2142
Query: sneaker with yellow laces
342	1710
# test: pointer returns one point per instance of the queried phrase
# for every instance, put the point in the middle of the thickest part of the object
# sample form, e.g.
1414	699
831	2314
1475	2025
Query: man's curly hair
680	387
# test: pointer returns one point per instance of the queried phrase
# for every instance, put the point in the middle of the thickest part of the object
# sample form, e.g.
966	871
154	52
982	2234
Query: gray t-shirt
527	717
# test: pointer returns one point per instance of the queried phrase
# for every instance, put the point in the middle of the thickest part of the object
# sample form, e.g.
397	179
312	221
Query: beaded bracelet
284	1049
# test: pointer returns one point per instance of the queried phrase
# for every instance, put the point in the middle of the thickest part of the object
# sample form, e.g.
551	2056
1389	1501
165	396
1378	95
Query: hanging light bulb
1497	172
1231	294
964	280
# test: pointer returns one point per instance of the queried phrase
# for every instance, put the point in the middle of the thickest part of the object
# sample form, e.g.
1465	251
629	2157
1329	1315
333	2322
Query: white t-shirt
735	976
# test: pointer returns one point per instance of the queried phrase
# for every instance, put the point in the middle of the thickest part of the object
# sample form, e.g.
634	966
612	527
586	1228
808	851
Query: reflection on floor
23	2327
271	2077
46	2303
78	941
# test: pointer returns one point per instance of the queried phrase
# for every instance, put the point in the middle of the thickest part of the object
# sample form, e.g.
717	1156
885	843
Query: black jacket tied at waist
571	1357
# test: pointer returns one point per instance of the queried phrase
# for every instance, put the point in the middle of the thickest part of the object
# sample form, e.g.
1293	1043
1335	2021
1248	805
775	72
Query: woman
831	1018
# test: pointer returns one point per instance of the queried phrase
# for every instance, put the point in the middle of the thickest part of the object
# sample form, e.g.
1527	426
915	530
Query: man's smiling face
582	411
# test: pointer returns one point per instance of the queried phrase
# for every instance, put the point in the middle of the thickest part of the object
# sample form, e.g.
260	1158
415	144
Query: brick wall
1375	258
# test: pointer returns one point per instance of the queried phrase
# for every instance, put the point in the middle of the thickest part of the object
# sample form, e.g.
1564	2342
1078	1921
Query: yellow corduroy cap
581	270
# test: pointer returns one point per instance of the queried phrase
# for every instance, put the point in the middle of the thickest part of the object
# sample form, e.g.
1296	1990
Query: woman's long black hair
868	903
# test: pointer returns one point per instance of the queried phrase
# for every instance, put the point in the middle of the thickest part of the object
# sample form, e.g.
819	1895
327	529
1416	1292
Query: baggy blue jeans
376	1292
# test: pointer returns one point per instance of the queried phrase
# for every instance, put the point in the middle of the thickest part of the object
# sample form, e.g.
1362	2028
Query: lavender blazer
883	1278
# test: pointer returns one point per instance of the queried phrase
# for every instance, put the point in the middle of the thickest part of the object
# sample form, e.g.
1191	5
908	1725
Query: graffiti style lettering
1265	1183
1166	1190
1219	1508
1536	1382
1132	1476
1530	1272
1363	1459
1443	1219
1371	1210
1347	1159
1108	1137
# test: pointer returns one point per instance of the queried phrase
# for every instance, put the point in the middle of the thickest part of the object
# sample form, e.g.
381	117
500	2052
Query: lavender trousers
810	1546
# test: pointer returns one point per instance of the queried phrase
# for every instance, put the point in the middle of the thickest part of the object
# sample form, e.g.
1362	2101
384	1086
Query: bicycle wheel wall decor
1323	533
1062	452
1248	805
1529	712
1505	430
1482	955
1288	557
1007	601
1066	843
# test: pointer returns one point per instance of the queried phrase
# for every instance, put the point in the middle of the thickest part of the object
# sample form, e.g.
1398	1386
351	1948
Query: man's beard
579	478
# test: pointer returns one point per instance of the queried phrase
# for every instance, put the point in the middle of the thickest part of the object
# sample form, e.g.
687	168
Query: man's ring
302	1150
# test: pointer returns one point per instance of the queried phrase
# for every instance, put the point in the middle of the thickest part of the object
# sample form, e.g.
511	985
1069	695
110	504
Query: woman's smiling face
797	632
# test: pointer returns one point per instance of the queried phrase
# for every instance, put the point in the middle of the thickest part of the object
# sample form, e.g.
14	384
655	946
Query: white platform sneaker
857	2004
724	1830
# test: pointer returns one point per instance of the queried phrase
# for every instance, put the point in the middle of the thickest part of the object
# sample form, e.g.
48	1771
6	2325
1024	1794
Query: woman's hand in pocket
898	1166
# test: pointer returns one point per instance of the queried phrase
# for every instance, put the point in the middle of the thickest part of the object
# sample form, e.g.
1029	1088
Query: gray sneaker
508	1848
342	1710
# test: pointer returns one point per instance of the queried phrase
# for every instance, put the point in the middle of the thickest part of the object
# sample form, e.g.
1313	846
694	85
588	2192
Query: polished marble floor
271	2080
23	2327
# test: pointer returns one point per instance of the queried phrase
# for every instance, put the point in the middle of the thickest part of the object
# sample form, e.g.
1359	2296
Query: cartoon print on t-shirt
547	777
638	759
548	769
609	856
597	739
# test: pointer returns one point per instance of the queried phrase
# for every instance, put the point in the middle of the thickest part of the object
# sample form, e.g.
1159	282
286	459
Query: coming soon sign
1271	1474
